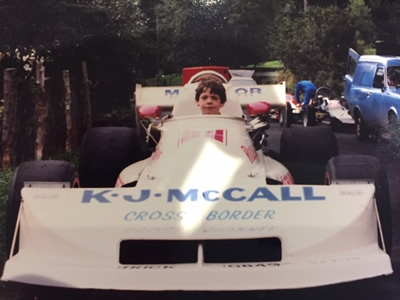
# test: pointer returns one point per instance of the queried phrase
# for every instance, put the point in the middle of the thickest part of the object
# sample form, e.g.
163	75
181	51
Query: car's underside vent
248	250
134	252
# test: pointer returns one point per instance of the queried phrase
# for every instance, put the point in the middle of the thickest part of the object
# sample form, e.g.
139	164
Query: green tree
386	16
221	32
63	34
314	44
192	33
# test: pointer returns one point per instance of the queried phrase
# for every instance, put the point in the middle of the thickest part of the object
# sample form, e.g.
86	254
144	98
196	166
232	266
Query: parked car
372	93
293	111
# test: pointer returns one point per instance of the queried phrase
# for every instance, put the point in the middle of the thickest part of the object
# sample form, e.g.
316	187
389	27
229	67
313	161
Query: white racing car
206	211
323	108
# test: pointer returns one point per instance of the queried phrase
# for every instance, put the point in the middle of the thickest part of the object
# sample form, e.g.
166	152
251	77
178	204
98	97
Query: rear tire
309	117
364	167
105	152
39	171
336	125
289	115
305	152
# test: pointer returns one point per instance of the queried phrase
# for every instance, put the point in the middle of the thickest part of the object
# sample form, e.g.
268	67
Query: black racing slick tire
309	116
34	171
305	152
105	152
336	125
353	168
289	116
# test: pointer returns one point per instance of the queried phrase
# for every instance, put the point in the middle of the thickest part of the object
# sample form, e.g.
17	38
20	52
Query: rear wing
168	96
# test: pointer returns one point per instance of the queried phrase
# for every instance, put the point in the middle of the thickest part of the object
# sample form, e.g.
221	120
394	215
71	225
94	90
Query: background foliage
140	39
129	41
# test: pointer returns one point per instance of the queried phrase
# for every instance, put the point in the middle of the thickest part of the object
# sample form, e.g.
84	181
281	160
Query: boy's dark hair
216	87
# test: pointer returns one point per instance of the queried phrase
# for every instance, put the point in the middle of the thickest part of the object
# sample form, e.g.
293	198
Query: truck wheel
361	128
305	152
391	133
105	152
309	117
361	168
34	171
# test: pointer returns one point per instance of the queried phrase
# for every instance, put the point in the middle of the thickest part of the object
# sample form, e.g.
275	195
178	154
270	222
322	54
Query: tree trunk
41	111
68	117
88	105
9	114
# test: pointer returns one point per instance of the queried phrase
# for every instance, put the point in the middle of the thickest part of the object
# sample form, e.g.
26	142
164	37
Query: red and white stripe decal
157	153
251	153
287	179
220	135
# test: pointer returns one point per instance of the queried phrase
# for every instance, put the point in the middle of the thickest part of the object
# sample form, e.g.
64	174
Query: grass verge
5	179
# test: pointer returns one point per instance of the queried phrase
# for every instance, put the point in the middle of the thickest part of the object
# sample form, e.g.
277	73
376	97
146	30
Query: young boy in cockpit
210	97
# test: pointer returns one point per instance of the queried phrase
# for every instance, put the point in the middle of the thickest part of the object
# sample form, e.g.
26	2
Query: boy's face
209	103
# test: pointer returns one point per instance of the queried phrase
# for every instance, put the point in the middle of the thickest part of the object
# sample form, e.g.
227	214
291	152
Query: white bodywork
168	96
71	238
204	182
338	111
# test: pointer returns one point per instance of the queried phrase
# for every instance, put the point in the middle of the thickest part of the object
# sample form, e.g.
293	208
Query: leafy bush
5	179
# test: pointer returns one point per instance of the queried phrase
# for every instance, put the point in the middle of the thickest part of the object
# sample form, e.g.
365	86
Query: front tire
355	168
105	152
305	152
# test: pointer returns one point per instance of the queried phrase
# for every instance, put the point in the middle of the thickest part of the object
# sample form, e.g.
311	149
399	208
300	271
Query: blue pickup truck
372	90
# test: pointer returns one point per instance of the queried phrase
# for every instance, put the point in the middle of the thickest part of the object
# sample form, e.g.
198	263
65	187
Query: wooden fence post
41	110
88	105
9	114
68	117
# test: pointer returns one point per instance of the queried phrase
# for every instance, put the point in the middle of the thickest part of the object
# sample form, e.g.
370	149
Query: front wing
74	238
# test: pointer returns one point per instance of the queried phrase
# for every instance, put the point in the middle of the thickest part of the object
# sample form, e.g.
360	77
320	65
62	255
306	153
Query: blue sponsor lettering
206	196
286	195
154	215
144	195
240	215
255	91
234	194
247	92
89	195
228	194
263	193
181	197
241	91
172	93
309	194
